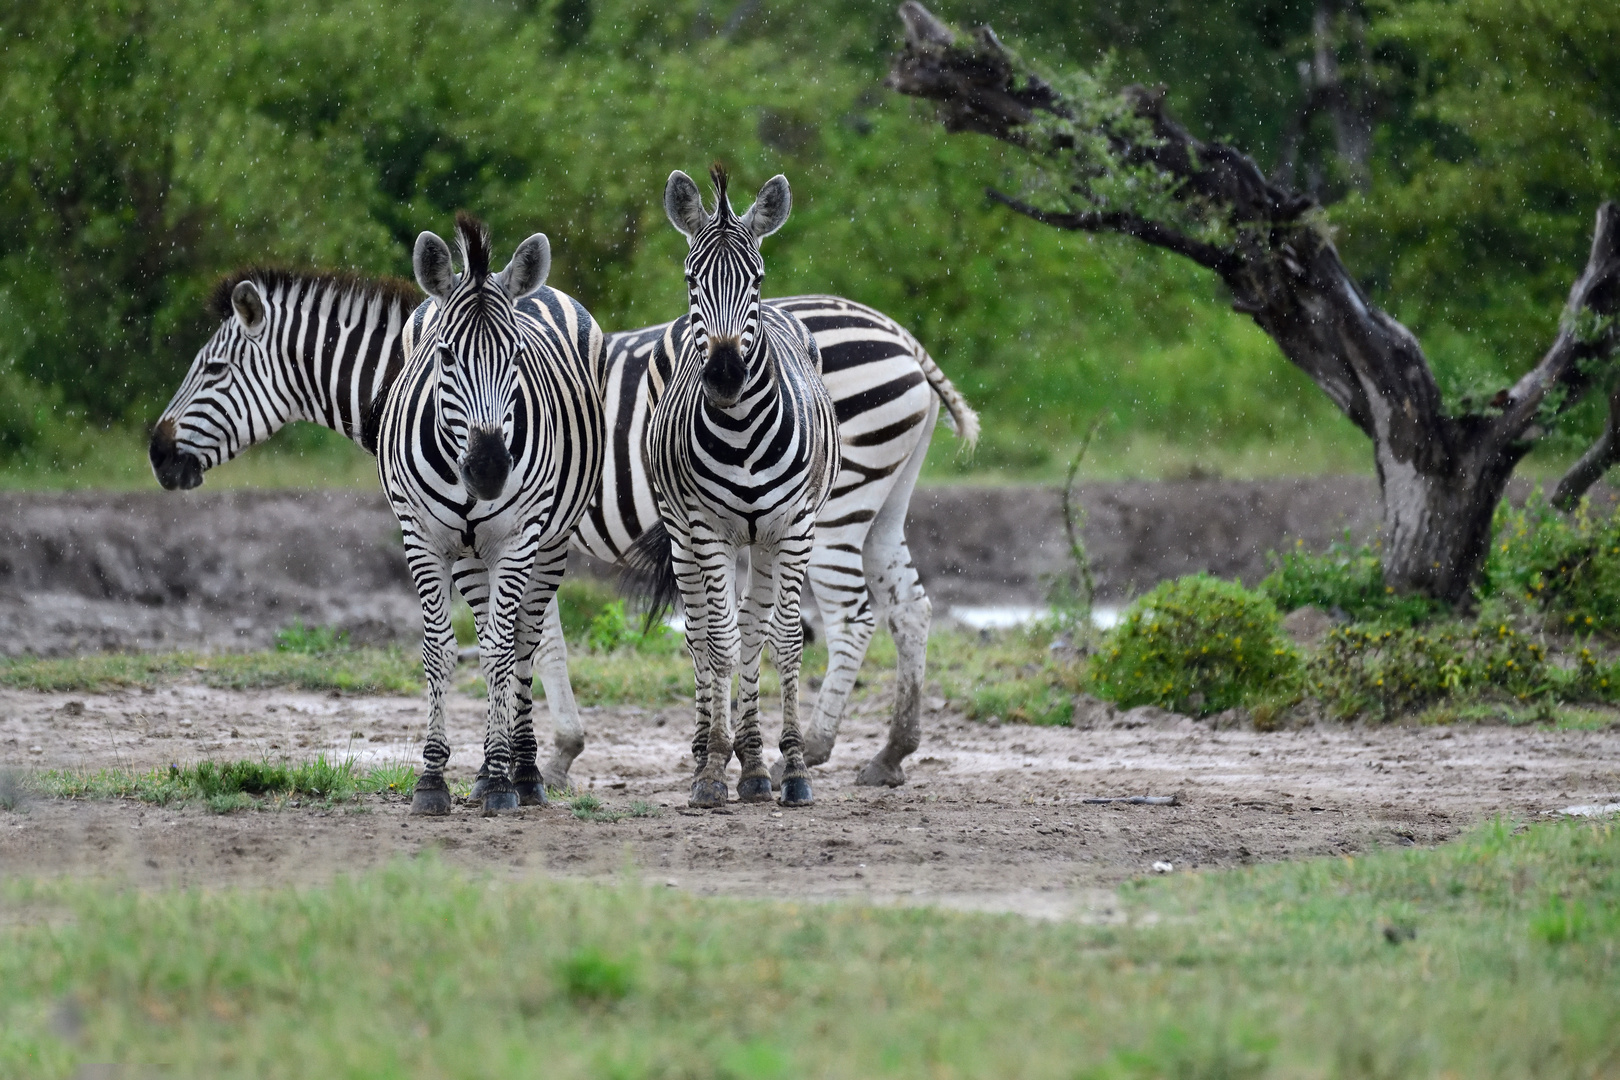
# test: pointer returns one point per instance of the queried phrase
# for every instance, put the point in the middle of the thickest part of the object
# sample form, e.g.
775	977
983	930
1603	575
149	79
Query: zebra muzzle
725	372
486	464
174	468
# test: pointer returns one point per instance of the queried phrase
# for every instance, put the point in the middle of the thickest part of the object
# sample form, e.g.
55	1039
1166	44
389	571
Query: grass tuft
222	786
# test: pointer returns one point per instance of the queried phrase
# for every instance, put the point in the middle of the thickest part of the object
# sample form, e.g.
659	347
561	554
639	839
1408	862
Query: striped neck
334	345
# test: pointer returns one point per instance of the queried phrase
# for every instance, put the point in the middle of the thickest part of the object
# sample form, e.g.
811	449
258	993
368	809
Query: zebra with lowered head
489	446
742	450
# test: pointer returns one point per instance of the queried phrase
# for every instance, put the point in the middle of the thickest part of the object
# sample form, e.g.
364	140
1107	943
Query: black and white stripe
333	342
742	451
489	447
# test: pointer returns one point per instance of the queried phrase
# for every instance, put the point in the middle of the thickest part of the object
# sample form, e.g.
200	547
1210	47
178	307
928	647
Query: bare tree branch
1151	232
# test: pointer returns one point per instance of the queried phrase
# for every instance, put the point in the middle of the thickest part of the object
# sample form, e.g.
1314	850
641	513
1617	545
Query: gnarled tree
1115	161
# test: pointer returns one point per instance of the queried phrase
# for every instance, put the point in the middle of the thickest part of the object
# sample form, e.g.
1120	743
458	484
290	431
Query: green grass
227	786
360	671
588	807
1492	957
1010	674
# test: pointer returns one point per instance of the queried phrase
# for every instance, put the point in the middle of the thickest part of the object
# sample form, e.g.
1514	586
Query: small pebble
1162	867
36	749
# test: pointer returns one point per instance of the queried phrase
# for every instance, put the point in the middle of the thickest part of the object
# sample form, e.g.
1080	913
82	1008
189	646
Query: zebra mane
719	178
472	236
384	288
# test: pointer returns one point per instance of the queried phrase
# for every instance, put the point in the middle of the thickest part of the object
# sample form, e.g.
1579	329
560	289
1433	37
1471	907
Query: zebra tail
649	574
959	415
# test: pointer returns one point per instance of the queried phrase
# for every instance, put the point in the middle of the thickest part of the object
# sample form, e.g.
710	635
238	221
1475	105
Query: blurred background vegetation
147	146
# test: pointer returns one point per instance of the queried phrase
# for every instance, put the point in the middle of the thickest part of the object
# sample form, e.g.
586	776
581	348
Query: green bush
1384	672
1346	577
1195	645
612	629
1567	566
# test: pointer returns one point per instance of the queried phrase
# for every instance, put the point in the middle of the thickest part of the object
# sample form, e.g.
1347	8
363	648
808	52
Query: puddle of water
1004	616
1590	810
991	617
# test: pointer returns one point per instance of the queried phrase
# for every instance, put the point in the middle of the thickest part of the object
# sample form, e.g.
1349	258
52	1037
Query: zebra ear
431	261
248	304
528	269
770	209
684	204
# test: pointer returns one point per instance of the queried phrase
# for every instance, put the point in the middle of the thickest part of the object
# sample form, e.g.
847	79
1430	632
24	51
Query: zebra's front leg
753	623
568	737
848	622
431	573
712	640
508	581
787	642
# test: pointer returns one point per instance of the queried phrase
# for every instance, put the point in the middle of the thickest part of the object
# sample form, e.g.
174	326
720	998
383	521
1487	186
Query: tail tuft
649	573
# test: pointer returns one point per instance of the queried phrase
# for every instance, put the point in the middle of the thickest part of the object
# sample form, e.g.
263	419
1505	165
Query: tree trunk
1442	475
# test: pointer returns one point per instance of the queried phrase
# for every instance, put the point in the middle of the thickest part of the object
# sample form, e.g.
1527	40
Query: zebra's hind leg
909	623
432	579
568	737
897	594
753	622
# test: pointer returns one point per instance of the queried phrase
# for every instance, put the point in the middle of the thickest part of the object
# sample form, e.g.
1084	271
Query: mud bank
91	572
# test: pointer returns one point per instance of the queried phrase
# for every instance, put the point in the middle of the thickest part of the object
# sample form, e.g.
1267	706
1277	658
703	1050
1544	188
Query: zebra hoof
778	771
879	773
480	786
432	797
500	800
707	794
530	786
754	789
796	791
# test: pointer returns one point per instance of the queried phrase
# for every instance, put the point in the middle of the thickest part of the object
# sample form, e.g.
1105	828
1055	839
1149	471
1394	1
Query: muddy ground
993	817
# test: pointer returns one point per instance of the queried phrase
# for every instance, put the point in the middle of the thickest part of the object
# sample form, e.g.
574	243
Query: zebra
489	448
742	449
318	346
292	345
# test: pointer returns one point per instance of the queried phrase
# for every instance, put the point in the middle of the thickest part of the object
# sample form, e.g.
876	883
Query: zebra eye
446	355
215	369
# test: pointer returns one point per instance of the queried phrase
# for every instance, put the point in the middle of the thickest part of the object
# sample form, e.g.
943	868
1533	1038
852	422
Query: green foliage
612	629
311	640
1195	645
1384	672
1497	146
142	154
1502	967
1347	578
1566	565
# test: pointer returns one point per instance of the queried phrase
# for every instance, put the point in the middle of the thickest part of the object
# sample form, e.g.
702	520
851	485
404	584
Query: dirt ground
993	817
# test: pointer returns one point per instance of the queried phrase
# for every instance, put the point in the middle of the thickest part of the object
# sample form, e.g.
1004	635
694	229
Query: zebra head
227	402
475	343
723	274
